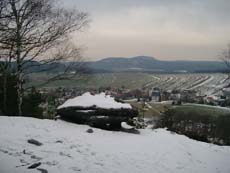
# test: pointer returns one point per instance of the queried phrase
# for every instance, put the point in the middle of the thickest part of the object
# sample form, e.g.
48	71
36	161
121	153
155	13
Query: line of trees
37	31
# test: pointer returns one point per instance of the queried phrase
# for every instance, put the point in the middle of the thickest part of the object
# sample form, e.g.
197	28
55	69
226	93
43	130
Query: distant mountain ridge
150	64
135	64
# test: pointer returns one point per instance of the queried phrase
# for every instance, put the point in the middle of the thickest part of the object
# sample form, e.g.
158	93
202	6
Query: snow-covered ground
69	148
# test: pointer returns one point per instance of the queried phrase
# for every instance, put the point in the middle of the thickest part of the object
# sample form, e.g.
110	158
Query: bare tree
226	56
38	30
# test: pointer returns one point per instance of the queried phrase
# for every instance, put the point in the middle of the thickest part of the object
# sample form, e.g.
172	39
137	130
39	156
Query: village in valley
208	89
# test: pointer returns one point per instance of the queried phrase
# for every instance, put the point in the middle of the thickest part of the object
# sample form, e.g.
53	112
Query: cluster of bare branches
38	30
226	56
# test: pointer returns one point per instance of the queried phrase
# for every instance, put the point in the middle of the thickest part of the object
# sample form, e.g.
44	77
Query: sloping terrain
205	83
150	64
68	148
124	64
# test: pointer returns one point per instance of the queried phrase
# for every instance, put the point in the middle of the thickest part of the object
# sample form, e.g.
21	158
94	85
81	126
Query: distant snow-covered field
204	83
69	148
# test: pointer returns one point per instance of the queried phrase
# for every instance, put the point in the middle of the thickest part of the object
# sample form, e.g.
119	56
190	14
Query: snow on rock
103	151
126	126
99	100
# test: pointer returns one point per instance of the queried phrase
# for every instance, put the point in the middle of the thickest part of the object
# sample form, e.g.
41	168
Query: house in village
165	95
175	95
212	100
189	96
155	95
226	93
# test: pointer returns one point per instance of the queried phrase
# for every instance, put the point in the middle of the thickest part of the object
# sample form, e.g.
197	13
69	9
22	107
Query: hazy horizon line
156	58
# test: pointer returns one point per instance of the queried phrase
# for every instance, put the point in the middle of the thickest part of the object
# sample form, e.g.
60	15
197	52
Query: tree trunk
19	92
4	91
19	65
19	80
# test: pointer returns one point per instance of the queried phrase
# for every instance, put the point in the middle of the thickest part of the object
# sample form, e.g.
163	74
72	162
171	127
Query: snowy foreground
68	148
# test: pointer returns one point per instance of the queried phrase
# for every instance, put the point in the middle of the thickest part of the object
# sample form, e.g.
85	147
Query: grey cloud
202	24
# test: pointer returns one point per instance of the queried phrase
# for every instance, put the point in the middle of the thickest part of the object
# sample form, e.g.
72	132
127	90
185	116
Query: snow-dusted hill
68	148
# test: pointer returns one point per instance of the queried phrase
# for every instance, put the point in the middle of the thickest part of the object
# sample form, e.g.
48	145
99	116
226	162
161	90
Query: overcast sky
165	29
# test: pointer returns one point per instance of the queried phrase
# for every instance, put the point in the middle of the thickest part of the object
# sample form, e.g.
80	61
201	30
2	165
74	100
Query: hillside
69	148
135	64
150	64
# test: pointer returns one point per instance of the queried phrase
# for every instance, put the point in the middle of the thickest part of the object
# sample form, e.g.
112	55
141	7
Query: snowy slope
68	148
99	100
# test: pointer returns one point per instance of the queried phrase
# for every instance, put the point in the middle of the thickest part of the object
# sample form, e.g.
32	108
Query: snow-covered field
68	148
206	84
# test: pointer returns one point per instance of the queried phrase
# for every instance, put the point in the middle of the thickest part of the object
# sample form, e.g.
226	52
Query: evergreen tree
31	103
8	100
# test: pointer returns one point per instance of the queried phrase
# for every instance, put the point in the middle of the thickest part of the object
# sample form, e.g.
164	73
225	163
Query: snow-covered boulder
98	110
101	100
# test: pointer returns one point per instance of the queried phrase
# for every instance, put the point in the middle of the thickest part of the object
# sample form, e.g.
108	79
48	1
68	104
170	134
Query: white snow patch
69	148
126	126
99	100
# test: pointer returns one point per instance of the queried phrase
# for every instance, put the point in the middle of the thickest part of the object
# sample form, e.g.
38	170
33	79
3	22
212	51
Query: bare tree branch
38	31
226	56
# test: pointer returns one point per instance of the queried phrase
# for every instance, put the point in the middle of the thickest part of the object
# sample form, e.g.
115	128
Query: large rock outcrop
98	110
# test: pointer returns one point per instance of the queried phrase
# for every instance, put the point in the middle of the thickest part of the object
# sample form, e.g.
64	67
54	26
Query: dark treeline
199	123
